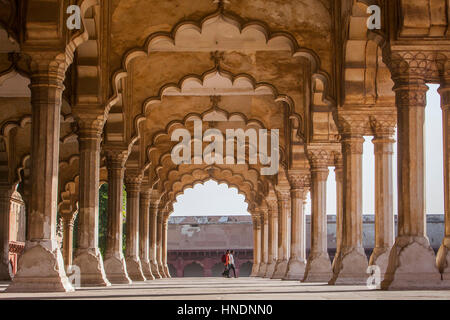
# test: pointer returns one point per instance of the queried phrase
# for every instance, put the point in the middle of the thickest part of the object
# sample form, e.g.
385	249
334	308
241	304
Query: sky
211	198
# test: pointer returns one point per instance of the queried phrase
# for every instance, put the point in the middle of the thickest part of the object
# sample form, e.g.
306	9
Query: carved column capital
90	120
272	207
383	125
133	180
116	156
320	158
353	124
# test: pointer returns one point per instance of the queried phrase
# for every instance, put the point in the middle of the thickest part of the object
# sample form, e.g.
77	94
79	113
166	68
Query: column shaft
351	264
264	241
165	230
256	245
273	238
115	266
41	266
5	200
134	267
284	206
404	270
318	268
384	206
339	177
144	233
153	239
87	256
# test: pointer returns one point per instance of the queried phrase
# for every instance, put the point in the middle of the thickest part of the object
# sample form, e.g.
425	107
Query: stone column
165	224
264	211
133	182
144	232
159	244
115	266
339	177
154	206
5	200
273	236
68	218
318	268
412	261
443	256
384	128
284	206
297	260
256	243
41	266
87	256
351	264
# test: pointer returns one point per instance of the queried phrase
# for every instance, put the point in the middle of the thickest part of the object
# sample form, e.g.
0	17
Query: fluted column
87	256
318	268
41	266
384	128
264	211
165	225
272	236
351	264
284	206
154	206
144	232
256	243
159	242
5	200
405	270
443	256
115	266
297	261
339	178
68	218
133	182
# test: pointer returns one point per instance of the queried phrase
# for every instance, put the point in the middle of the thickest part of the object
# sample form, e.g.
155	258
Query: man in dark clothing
231	264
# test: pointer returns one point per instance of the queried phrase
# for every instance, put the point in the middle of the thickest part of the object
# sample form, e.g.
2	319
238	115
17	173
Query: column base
443	261
155	271
5	275
255	270
161	271
147	270
90	264
412	265
166	271
295	269
262	270
116	269
41	269
318	268
134	269
351	267
280	269
270	269
380	258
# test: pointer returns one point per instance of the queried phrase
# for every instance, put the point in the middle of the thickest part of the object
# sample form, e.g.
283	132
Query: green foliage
103	218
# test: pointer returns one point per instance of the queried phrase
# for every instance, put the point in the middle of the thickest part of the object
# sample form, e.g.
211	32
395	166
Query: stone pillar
144	232
87	256
284	206
154	206
256	243
264	211
133	182
159	244
5	200
318	268
41	266
443	256
115	266
384	128
273	236
297	260
339	177
412	262
351	264
165	225
68	218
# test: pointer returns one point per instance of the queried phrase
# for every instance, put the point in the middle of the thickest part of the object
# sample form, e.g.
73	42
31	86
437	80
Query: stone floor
225	289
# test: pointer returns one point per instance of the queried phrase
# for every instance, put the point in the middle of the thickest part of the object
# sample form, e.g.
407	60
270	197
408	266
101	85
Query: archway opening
207	220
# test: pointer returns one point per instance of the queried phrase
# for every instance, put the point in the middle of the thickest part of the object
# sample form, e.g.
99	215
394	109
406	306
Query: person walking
226	262
231	264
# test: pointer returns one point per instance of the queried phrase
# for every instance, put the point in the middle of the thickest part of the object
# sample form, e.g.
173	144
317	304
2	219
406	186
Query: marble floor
229	289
